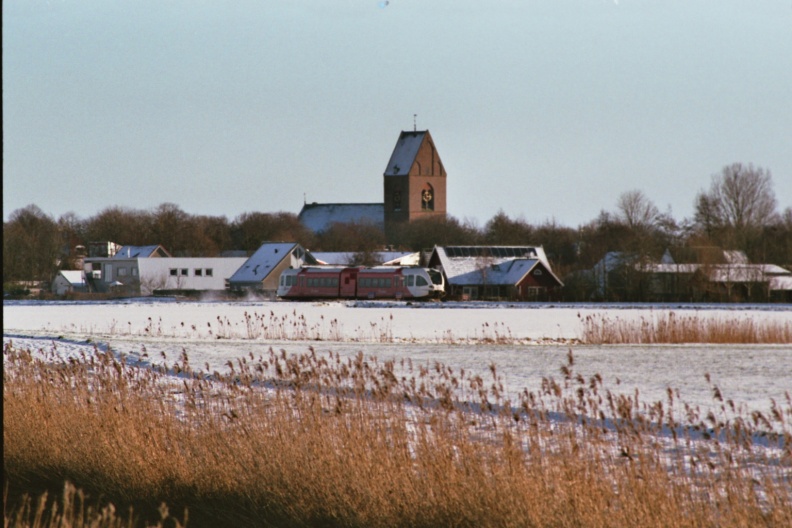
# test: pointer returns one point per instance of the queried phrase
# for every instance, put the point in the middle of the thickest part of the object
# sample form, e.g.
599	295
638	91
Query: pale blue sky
546	109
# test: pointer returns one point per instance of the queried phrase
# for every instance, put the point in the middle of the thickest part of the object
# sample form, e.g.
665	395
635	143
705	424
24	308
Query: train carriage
382	282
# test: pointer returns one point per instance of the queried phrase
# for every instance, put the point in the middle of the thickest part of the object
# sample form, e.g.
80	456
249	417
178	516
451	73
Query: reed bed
670	328
319	440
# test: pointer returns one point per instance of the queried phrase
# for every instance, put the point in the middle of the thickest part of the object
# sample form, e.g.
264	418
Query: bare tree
636	210
739	203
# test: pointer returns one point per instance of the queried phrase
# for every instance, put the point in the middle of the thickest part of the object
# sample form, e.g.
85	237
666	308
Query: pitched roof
496	265
403	157
318	217
140	252
343	258
75	277
266	258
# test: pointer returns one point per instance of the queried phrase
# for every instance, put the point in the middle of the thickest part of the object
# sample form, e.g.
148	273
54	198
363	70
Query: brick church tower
414	180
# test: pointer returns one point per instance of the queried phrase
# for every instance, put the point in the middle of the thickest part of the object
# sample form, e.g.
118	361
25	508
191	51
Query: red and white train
381	282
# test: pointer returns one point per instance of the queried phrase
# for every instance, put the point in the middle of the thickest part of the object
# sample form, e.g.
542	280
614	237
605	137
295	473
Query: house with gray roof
153	251
520	273
261	272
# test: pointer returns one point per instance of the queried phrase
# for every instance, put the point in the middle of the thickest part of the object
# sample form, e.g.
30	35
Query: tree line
738	211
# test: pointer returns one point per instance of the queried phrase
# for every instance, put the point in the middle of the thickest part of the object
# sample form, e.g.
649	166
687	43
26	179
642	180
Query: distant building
319	217
153	251
520	273
102	249
690	274
69	281
378	258
414	187
150	270
261	272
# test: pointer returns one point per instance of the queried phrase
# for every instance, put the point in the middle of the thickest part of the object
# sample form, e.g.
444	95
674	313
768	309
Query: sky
546	110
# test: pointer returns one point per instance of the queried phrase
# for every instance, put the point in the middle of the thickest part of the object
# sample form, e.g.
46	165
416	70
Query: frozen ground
526	342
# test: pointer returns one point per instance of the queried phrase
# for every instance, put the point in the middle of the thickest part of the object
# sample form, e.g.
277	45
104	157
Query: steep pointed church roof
403	157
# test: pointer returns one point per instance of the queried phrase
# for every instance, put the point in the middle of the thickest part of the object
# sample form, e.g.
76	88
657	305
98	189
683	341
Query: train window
420	281
410	280
323	282
388	283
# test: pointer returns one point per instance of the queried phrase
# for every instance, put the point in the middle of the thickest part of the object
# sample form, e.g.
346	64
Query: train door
348	283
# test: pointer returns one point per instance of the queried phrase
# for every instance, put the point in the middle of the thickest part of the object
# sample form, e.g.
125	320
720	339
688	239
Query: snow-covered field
526	342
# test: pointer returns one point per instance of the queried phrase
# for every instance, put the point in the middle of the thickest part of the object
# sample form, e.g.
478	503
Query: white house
147	276
68	281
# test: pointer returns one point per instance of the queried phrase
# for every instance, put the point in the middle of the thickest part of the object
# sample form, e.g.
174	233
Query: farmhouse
69	281
261	272
520	273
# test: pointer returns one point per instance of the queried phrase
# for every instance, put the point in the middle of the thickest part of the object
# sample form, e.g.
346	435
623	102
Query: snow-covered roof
266	258
493	252
75	277
127	252
783	283
318	217
724	272
496	265
343	258
403	157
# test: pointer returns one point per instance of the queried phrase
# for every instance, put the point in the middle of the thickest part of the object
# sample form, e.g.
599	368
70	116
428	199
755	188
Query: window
134	271
410	280
198	272
420	281
174	272
427	198
184	272
209	272
122	272
538	272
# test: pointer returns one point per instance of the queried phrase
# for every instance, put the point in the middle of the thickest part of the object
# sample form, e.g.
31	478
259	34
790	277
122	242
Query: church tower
414	180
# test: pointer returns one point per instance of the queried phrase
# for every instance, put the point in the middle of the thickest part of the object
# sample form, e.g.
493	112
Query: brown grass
317	440
674	329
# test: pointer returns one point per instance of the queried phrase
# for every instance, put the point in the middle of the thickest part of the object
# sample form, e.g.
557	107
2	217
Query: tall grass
671	328
318	440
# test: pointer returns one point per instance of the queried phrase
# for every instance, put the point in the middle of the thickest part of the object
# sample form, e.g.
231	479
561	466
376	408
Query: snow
526	342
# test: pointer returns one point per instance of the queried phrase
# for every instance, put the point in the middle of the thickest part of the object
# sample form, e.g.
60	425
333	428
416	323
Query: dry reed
671	328
319	440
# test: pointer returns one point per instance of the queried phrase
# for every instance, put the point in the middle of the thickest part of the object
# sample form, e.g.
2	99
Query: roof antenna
415	123
304	200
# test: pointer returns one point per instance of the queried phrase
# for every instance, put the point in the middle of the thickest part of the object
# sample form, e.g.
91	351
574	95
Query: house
690	275
102	249
69	281
127	252
719	282
378	258
135	270
261	272
520	273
